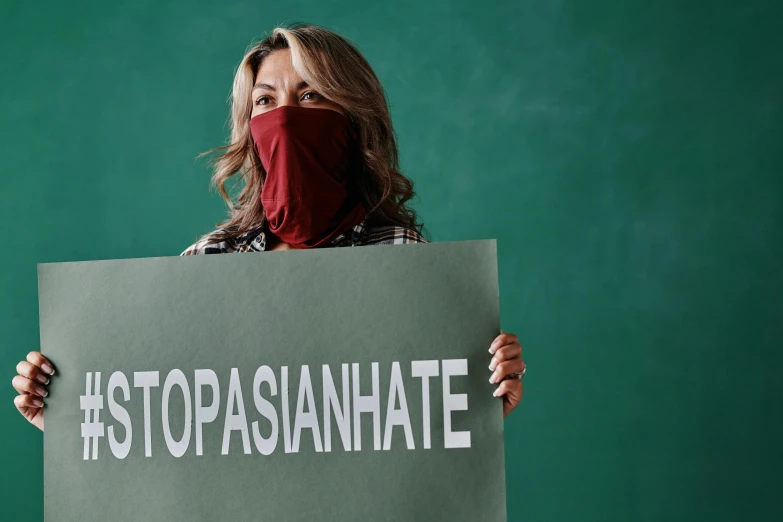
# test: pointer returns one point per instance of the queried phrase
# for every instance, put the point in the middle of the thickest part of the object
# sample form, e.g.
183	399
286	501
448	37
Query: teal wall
626	154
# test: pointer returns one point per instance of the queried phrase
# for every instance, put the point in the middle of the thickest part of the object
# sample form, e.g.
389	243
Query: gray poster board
195	388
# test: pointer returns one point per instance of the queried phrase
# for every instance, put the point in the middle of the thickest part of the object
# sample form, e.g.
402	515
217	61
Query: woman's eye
263	100
311	95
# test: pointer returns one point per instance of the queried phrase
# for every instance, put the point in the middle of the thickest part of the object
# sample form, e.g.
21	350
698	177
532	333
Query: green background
627	155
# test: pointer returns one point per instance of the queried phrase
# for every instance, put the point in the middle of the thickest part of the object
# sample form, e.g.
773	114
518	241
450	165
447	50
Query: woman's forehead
276	67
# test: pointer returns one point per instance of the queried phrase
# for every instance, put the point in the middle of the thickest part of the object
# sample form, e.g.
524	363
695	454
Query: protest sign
342	384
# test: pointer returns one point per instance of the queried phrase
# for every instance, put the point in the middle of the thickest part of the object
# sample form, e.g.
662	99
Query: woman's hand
507	366
34	375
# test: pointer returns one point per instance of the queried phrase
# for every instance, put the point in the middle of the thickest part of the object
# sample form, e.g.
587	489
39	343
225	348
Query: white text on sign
346	408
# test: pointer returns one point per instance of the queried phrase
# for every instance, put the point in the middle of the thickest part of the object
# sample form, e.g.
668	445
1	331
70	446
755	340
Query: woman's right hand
31	381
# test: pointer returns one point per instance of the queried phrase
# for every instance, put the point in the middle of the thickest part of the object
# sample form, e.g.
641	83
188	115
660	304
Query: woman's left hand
507	366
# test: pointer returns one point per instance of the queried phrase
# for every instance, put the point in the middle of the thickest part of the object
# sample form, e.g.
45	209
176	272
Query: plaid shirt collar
257	238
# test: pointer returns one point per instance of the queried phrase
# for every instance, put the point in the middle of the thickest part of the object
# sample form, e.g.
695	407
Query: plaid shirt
360	235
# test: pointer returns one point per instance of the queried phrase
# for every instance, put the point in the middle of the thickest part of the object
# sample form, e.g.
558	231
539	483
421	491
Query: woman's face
277	84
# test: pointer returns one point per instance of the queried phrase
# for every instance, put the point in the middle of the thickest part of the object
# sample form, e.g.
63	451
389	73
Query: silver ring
519	375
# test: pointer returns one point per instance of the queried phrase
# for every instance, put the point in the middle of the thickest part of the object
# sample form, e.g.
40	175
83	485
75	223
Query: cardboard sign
344	384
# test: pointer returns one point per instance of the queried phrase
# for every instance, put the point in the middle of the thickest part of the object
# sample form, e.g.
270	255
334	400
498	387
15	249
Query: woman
312	139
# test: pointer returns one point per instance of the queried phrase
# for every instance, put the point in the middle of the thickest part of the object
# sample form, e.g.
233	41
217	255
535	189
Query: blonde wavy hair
335	68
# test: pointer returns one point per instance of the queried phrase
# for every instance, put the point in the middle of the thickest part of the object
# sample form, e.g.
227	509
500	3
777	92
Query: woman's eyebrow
301	85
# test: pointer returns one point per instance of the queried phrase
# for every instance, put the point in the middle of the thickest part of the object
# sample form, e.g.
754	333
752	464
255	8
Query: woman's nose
288	99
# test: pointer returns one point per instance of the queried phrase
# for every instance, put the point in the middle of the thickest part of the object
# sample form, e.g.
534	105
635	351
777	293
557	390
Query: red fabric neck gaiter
310	164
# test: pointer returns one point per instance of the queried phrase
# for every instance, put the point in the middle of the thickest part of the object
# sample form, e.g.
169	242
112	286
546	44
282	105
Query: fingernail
48	369
40	391
492	364
43	379
492	379
495	393
37	403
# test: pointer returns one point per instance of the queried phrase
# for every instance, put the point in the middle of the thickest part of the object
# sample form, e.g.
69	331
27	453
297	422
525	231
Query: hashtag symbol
92	402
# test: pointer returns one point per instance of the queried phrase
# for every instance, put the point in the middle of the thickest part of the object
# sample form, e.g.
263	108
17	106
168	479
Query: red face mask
309	160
